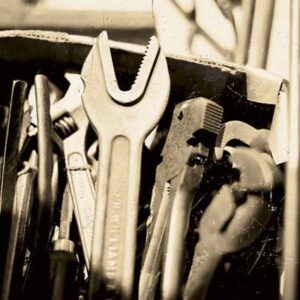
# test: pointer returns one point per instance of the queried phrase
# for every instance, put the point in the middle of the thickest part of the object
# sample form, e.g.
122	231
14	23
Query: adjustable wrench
73	130
122	120
194	128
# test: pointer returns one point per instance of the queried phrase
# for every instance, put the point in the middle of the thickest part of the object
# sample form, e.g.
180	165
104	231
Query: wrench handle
114	240
203	268
83	195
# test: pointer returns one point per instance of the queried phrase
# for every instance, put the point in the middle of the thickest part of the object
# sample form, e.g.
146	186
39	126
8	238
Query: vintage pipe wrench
122	120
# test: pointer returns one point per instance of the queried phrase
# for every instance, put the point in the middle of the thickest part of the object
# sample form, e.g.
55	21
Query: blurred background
241	31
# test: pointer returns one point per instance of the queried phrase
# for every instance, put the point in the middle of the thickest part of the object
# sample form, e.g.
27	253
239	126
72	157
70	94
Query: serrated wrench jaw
136	92
101	107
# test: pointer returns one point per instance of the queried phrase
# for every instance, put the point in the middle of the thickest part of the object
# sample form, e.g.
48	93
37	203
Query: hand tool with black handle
71	132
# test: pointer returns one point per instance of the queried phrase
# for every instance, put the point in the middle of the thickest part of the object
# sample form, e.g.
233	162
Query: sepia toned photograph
150	149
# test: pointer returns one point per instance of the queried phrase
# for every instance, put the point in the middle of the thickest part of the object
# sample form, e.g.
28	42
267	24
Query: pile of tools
109	191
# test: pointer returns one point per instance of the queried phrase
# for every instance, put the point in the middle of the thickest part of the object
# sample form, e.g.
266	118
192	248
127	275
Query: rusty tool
122	120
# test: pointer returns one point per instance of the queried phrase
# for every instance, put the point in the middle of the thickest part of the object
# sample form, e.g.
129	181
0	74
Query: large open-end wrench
122	120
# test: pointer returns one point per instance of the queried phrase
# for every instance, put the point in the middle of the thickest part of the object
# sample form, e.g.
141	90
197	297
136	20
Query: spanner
122	120
73	129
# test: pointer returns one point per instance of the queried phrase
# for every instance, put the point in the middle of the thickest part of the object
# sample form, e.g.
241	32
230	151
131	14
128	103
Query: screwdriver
63	261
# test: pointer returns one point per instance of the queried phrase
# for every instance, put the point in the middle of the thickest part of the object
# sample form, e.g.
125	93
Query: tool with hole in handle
122	120
227	226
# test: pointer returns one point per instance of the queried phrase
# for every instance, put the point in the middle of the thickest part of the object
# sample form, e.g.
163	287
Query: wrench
73	128
122	120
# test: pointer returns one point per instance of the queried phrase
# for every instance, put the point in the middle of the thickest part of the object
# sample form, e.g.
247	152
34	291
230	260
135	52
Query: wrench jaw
137	90
101	107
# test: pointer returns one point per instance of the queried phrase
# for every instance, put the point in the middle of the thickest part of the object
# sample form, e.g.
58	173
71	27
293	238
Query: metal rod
244	35
261	31
9	170
45	163
292	201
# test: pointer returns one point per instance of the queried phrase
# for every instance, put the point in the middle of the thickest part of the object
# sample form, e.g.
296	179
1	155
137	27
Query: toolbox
245	94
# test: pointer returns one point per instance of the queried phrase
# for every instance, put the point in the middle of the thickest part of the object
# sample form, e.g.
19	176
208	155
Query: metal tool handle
152	262
16	247
261	32
62	282
174	254
203	268
114	240
83	195
45	165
